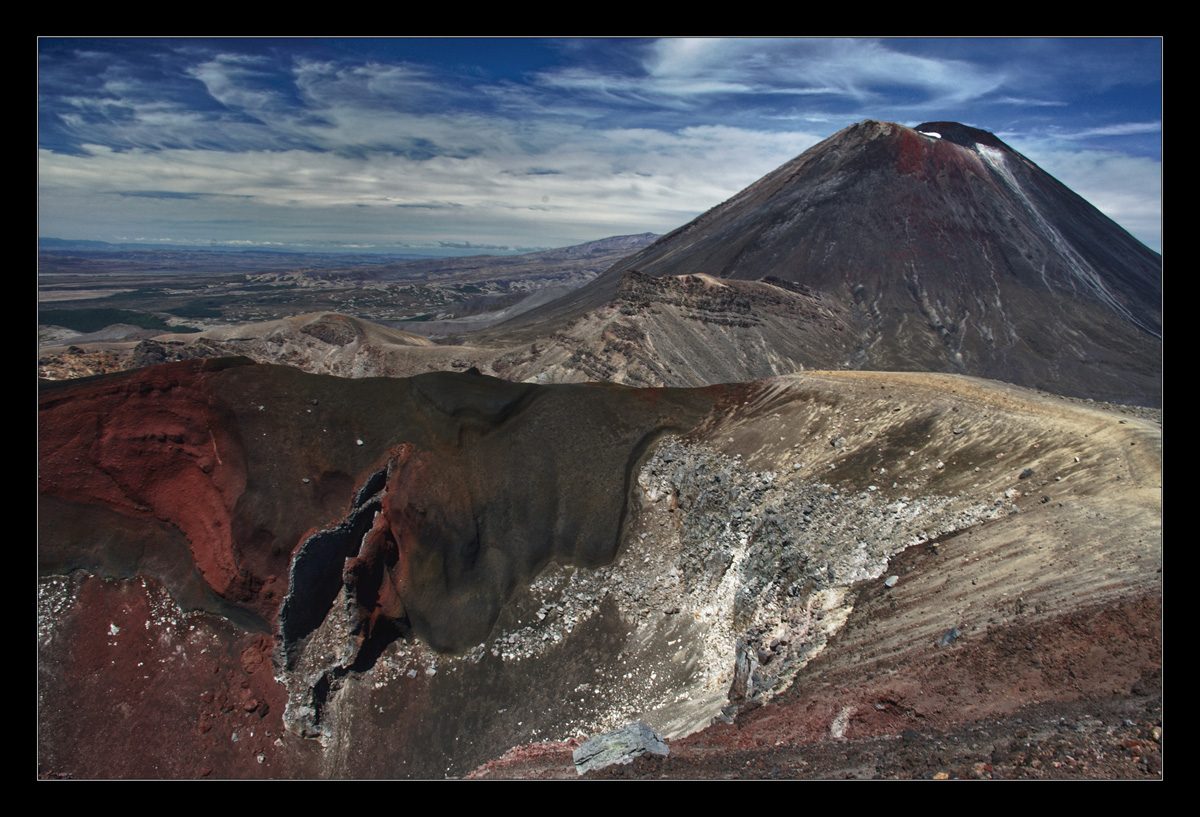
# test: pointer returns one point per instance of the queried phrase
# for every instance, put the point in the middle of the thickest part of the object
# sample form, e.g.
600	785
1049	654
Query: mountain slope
952	251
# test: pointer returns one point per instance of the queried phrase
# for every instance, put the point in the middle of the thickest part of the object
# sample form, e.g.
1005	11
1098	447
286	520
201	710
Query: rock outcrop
624	745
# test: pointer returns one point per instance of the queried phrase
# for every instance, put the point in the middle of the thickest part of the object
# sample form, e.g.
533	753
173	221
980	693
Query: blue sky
480	145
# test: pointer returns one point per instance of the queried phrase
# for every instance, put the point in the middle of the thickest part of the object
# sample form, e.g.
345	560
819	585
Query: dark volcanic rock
953	252
624	745
481	484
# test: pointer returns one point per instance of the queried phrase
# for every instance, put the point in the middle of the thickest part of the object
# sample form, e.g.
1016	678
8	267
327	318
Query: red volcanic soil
139	478
150	448
130	688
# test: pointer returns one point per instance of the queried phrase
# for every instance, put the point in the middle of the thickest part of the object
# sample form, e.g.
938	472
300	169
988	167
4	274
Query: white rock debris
729	581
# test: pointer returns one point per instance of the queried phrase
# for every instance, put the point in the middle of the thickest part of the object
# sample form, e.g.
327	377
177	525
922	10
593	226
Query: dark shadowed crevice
317	568
383	634
374	484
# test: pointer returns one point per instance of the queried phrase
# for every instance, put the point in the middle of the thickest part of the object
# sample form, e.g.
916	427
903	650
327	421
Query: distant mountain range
295	256
562	261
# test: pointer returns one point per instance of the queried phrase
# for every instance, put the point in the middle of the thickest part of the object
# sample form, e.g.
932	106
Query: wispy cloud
1117	129
363	139
240	82
680	71
1025	102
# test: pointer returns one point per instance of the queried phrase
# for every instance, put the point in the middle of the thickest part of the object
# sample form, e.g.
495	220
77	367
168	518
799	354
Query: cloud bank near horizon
504	144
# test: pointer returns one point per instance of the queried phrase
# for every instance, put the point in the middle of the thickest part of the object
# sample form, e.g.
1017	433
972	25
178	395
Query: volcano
251	571
946	251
